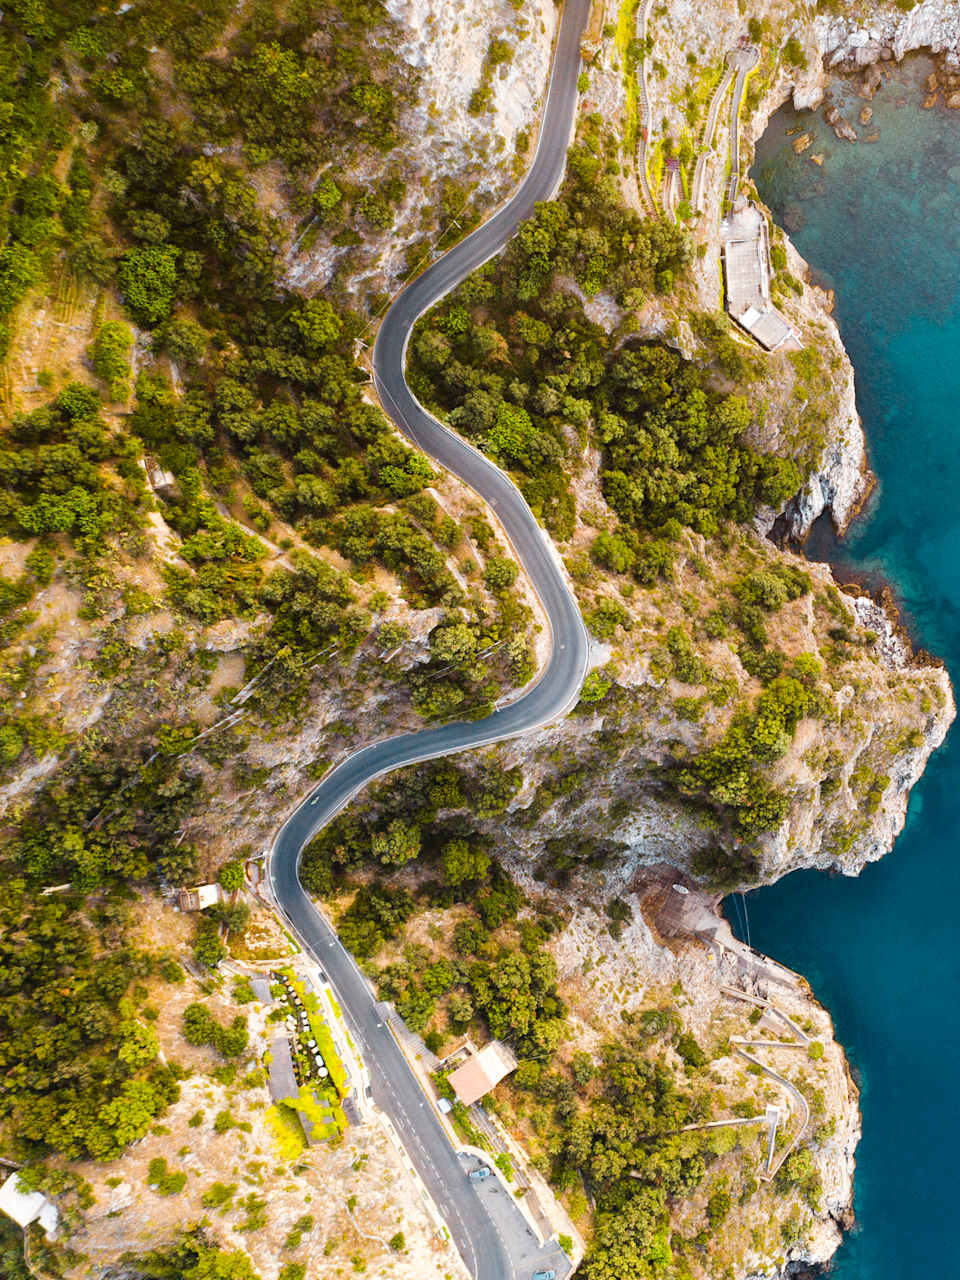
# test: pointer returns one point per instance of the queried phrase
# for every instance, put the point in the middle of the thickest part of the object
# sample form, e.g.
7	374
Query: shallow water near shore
880	223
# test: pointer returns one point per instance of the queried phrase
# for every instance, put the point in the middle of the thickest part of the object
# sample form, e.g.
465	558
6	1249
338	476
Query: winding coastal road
393	1085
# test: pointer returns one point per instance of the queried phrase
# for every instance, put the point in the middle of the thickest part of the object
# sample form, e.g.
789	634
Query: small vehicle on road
544	1275
478	1175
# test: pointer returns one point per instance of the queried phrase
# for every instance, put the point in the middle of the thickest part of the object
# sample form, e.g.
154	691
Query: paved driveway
519	1242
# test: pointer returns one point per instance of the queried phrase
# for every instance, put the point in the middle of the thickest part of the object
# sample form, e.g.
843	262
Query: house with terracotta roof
482	1071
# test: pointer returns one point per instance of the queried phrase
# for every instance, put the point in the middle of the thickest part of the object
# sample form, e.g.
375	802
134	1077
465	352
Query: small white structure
198	899
25	1207
161	480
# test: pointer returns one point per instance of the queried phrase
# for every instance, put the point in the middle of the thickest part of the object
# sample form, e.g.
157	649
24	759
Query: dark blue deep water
880	223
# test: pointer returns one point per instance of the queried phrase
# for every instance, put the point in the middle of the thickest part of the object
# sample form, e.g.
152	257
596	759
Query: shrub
500	573
223	1122
793	53
596	686
170	971
718	1206
200	1027
230	876
148	282
613	552
220	1193
110	356
208	947
690	1051
163	1180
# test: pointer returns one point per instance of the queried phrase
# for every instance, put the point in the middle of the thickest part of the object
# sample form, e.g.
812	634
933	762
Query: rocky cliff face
458	155
675	943
690	42
864	34
601	786
853	39
847	772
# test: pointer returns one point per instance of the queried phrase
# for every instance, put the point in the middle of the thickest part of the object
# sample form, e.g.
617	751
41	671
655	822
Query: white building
200	897
26	1207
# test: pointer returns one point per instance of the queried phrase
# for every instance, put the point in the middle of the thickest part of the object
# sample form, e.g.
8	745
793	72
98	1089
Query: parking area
525	1255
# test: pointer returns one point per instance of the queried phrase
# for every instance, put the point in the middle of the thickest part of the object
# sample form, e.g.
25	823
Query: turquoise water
881	224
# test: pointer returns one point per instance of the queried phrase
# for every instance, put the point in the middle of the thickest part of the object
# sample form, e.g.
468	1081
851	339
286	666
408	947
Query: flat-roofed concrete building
198	899
746	267
478	1075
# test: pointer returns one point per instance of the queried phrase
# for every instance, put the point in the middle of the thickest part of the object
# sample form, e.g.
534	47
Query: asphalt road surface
393	1084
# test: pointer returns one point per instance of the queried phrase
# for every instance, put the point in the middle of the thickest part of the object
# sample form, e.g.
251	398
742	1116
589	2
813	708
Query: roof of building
200	897
25	1207
48	1218
283	1082
479	1074
768	327
746	278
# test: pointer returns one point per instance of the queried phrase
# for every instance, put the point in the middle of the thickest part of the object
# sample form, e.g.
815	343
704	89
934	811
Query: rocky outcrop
840	125
606	979
889	32
445	45
848	771
847	42
841	479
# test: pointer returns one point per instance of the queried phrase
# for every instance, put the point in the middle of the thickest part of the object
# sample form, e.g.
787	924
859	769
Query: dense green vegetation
274	404
80	1070
12	1265
193	1258
251	400
274	401
54	476
200	1027
729	773
513	361
606	1123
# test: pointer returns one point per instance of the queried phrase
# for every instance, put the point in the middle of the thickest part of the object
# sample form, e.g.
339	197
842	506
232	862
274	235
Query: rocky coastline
839	486
612	802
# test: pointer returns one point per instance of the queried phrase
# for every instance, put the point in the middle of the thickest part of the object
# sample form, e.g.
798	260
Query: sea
879	224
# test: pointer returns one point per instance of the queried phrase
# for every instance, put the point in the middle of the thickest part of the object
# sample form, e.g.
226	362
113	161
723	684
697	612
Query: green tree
148	282
512	433
454	642
183	340
500	573
230	876
613	552
110	356
399	843
318	323
463	861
